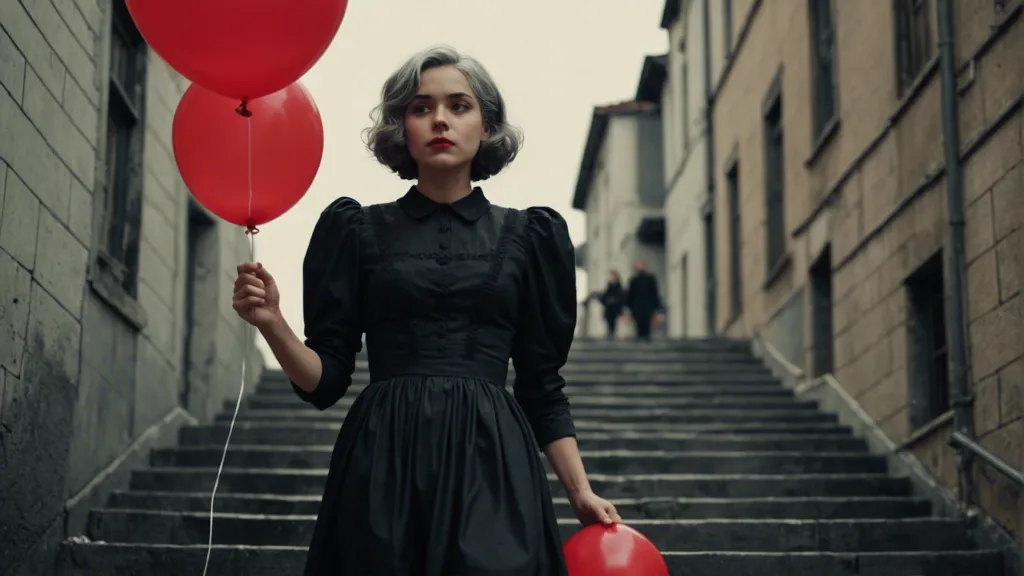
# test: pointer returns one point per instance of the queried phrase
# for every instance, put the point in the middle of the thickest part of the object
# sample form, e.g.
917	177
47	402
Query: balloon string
251	232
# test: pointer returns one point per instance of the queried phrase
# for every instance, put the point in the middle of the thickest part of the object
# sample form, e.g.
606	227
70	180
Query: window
914	46
727	26
710	278
823	49
732	184
685	112
124	141
774	180
821	312
684	274
929	357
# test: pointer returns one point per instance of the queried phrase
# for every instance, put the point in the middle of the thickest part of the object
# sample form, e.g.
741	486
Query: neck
444	187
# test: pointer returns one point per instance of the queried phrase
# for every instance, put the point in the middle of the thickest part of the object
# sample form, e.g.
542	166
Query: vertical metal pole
960	387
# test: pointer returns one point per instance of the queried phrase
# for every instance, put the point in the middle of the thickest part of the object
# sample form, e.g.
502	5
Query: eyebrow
452	96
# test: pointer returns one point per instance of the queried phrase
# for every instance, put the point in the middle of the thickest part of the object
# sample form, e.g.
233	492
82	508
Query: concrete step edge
559	499
597	476
731	454
78	542
636	522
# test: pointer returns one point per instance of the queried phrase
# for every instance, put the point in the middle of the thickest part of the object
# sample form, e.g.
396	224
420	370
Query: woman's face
443	124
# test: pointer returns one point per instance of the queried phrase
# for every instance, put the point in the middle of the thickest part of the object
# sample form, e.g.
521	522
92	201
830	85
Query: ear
487	132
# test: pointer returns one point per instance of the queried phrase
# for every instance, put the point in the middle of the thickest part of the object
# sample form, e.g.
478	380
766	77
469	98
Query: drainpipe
962	398
709	154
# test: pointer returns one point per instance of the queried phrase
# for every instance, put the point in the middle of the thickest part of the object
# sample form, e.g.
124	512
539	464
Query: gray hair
386	138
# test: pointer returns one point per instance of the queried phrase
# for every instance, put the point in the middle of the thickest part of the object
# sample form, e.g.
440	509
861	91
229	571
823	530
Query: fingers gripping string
248	337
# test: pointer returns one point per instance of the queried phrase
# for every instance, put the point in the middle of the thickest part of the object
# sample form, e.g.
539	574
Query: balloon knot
243	109
251	229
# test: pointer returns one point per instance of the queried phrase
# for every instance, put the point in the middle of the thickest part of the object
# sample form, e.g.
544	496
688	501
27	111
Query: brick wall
881	168
81	384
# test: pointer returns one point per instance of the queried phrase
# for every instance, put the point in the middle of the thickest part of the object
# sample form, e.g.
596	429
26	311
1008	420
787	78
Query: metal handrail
959	440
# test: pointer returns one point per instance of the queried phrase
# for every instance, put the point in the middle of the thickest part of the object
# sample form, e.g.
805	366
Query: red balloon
211	146
615	550
239	48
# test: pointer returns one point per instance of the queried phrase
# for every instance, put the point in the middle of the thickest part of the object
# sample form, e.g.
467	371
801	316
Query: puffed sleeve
547	321
330	284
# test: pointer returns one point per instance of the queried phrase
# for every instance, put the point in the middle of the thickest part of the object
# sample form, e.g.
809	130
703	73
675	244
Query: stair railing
961	441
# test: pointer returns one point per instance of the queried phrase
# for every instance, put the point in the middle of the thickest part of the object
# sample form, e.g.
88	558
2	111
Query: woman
614	300
436	469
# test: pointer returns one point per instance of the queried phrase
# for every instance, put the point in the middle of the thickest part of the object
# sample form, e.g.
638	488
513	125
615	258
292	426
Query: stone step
689	442
811	535
743	535
626	381
632	362
758	389
739	427
645	415
666	345
742	485
292	401
667	508
298	435
282	392
655	356
628	508
92	559
623	355
893	563
575	370
605	462
123	559
283	433
311	481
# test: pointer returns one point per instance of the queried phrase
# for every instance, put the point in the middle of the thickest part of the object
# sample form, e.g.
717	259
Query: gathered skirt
436	476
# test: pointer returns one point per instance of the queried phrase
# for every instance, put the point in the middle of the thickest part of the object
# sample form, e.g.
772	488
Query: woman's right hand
256	298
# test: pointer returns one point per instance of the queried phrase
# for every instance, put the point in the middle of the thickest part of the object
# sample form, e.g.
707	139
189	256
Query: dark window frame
927	343
774	178
685	107
734	210
120	174
727	27
823	52
914	44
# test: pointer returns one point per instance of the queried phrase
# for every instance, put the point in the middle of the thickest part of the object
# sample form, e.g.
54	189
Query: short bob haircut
386	138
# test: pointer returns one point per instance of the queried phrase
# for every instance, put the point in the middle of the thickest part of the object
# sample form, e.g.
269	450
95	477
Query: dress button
444	260
444	228
444	245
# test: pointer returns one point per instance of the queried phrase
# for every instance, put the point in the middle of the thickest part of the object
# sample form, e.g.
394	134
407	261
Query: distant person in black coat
614	301
643	300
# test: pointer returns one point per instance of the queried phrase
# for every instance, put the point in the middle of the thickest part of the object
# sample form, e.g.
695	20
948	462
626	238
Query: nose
440	118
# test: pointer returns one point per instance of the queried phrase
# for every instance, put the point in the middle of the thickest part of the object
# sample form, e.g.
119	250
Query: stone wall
872	190
90	378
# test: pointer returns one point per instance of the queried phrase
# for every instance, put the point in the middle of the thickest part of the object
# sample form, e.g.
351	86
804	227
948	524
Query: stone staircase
696	443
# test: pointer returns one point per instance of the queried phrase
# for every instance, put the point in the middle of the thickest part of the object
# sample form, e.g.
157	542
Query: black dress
437	469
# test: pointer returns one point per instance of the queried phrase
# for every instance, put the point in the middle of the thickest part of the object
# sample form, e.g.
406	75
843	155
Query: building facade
116	324
834	205
681	88
619	189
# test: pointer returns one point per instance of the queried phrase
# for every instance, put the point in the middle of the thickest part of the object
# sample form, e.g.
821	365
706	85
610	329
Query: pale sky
553	61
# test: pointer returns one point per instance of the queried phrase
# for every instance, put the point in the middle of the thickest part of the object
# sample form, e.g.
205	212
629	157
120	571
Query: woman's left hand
592	509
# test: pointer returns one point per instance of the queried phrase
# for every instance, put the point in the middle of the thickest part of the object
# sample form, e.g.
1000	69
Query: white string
245	355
